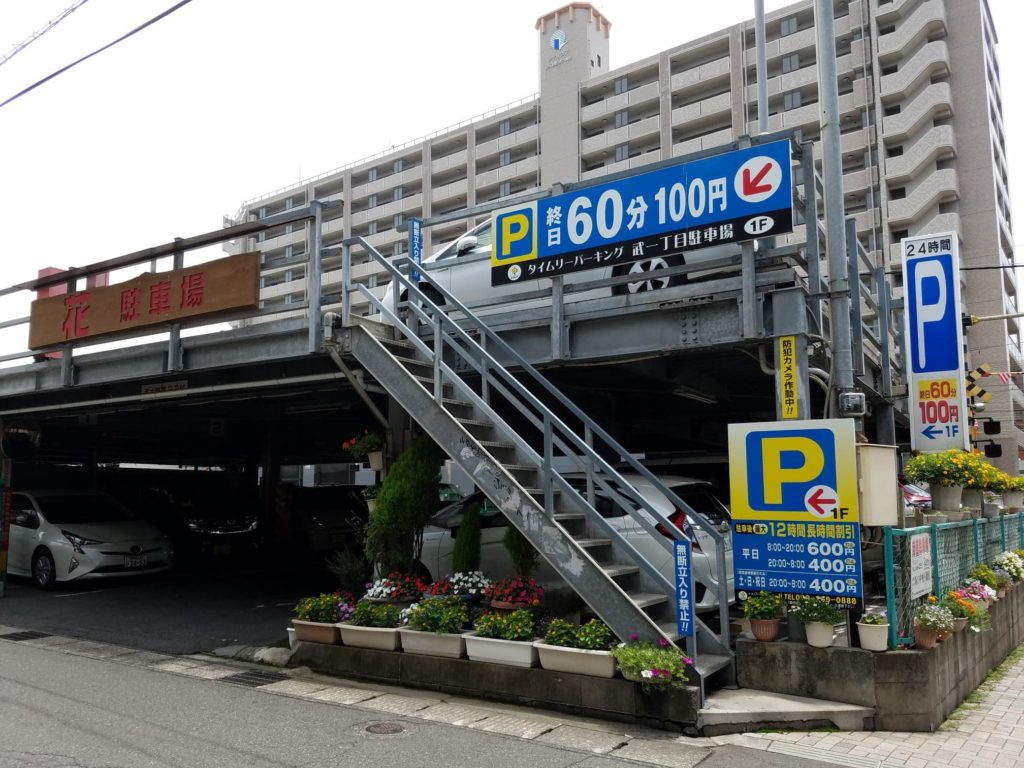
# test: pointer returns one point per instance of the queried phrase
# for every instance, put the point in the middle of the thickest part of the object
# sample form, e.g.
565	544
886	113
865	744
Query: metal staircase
448	377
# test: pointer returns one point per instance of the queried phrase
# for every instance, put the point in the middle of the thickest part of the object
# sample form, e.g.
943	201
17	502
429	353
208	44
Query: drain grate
254	678
385	729
27	635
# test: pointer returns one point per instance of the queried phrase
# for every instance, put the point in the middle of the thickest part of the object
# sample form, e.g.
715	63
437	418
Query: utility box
877	485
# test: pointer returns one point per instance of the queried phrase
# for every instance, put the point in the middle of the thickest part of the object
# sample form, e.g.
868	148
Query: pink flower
634	637
663	642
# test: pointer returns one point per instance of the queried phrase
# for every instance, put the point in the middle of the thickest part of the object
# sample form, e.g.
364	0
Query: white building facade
923	148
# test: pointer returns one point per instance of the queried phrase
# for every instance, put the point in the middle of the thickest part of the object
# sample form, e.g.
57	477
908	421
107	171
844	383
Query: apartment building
923	147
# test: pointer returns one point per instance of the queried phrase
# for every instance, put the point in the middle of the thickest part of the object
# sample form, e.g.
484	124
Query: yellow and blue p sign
793	470
515	235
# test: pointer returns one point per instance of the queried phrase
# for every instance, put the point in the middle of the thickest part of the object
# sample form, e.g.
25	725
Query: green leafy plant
658	667
407	499
595	636
358	446
322	608
1003	578
763	605
350	568
466	553
810	608
367	614
560	632
985	575
520	551
438	614
517	625
371	492
873	619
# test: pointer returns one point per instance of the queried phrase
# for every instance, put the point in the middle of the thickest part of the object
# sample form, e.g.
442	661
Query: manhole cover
385	729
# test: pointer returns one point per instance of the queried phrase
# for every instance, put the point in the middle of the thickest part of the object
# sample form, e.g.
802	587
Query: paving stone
584	739
453	714
94	650
141	658
293	687
397	705
339	694
509	725
667	753
208	671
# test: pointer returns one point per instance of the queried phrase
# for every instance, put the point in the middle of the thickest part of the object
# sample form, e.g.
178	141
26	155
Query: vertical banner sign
935	340
684	589
415	246
789	383
920	564
795	510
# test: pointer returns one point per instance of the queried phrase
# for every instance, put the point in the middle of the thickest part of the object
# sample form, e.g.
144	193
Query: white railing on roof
390	151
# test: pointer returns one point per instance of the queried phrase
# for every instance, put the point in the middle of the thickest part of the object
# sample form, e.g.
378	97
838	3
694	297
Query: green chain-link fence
955	547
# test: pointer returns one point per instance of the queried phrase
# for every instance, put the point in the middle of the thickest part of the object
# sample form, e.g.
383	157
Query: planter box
316	632
874	637
379	638
449	646
578	661
511	653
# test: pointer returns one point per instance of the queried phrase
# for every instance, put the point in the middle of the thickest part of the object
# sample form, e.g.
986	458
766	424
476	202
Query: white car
463	268
70	535
439	537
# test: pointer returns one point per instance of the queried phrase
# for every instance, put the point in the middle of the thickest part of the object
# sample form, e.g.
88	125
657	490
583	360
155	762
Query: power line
40	32
123	37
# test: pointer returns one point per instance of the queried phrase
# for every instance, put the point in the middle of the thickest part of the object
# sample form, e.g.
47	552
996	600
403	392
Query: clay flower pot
765	630
925	638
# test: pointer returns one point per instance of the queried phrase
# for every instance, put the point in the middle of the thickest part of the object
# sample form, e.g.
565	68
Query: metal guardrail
956	548
475	348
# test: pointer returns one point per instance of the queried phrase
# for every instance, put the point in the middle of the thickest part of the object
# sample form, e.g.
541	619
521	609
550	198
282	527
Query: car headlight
77	542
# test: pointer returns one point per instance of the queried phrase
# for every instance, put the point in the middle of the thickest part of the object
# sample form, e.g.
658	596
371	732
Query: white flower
647	673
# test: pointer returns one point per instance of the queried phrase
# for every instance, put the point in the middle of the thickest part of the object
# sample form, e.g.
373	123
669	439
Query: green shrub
350	568
658	667
439	614
517	625
369	614
560	632
873	619
466	554
985	575
595	636
763	605
810	608
322	608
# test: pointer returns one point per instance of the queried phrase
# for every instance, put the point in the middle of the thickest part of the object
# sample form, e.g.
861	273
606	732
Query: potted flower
368	445
1003	581
947	473
372	625
764	610
370	494
819	618
504	639
400	588
1012	563
470	585
579	650
514	592
316	618
435	627
962	609
930	621
873	630
441	587
1013	496
660	667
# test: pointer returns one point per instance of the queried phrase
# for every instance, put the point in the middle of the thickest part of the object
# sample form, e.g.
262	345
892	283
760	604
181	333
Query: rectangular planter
316	632
378	638
511	653
450	646
578	661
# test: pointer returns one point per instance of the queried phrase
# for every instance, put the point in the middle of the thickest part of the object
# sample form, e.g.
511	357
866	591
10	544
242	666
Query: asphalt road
60	710
178	612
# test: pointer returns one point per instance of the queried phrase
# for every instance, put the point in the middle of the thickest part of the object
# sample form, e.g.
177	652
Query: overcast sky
226	100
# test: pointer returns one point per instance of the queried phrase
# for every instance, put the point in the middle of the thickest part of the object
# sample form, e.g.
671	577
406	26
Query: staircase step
568	516
706	664
408	362
428	383
595	542
474	422
619	569
449	402
645	599
492	445
744	710
383	331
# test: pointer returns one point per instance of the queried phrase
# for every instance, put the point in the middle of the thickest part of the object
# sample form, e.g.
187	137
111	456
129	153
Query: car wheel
647	270
44	571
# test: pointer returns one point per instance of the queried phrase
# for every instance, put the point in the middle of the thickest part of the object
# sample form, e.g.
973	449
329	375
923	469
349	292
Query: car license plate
135	561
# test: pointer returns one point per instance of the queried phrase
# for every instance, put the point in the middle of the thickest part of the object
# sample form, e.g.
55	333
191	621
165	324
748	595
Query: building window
505	189
621	152
504	157
371	201
621	118
894	151
788	26
399	248
621	85
900	234
898	194
371	175
791	100
790	63
399	192
399	165
893	110
599	59
890	70
504	127
371	228
886	30
399	220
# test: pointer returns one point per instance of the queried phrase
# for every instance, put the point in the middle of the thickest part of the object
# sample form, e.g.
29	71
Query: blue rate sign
727	198
684	588
415	247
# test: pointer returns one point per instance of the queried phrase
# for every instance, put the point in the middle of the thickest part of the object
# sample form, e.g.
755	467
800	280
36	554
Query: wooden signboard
160	298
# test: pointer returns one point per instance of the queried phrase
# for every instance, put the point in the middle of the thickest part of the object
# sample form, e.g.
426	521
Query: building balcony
446	192
456	160
926	21
523	137
385	184
388	210
695	76
698	143
938	187
612	104
933	102
525	167
638	130
929	61
937	143
702	110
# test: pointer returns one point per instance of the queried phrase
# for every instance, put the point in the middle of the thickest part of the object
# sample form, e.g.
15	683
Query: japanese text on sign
684	589
789	394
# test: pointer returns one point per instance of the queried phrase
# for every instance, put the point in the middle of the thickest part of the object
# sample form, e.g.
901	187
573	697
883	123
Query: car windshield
703	502
483	240
83	508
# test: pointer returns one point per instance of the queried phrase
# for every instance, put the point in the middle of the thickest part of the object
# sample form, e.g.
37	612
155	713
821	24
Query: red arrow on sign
820	505
752	185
